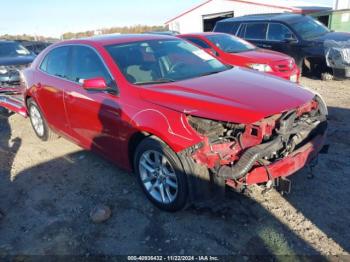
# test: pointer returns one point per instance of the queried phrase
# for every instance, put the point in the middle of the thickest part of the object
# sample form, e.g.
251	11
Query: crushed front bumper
286	166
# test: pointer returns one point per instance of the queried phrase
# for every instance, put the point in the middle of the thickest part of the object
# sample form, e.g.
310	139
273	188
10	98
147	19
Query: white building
341	4
204	16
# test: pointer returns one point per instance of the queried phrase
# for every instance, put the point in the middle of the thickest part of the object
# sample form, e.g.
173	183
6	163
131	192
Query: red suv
173	114
238	52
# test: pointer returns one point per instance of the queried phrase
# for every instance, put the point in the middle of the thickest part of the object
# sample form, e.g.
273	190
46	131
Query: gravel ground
47	191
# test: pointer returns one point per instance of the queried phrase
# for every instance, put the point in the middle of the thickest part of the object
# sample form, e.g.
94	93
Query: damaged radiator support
249	158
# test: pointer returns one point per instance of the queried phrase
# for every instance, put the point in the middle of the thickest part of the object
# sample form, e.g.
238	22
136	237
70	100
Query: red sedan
171	113
238	52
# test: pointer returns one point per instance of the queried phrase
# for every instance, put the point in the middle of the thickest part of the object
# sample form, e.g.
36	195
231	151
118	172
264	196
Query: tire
300	64
168	177
39	123
4	112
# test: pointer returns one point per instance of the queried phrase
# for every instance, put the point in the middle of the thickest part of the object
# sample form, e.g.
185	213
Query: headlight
320	99
261	67
3	70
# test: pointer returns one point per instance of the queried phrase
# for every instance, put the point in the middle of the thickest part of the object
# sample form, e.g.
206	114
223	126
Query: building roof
292	6
263	17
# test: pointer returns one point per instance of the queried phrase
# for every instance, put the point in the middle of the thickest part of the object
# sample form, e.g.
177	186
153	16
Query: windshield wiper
216	72
240	51
158	81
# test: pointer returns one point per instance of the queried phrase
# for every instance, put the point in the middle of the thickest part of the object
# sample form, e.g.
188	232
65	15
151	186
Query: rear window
198	42
256	31
226	27
55	63
230	44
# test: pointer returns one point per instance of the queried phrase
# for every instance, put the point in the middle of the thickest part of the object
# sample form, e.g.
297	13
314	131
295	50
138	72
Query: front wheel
161	175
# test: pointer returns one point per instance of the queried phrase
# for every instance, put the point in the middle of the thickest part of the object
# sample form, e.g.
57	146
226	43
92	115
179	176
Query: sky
55	17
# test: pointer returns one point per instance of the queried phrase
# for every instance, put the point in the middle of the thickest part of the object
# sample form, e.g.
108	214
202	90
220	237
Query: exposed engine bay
230	151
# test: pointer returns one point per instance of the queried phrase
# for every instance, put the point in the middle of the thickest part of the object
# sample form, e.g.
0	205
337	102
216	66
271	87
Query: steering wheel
176	66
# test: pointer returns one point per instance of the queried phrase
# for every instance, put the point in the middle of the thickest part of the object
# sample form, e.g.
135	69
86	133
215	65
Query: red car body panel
107	123
280	63
228	96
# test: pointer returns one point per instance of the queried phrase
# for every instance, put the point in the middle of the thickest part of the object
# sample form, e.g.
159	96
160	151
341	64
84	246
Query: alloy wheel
158	176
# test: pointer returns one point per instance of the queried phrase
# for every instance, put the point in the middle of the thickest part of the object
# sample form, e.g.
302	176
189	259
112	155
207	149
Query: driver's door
280	38
94	116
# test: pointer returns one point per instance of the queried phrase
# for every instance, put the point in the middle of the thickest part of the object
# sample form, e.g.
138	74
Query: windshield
12	50
161	61
230	44
309	28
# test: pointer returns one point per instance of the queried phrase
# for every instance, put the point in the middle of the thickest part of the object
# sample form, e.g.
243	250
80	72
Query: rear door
256	33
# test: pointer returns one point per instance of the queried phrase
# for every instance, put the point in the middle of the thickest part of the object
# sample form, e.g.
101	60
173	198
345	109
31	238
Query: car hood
19	60
263	56
238	95
337	36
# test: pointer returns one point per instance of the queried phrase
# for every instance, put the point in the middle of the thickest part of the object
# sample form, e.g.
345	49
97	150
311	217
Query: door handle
267	46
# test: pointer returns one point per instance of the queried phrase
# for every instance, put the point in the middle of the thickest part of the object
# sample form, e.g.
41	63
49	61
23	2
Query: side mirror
289	38
95	84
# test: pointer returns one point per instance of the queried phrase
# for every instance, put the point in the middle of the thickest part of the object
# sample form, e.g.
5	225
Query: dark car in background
299	36
13	58
34	46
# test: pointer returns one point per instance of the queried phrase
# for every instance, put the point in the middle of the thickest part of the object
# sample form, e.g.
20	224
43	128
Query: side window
43	65
86	64
278	32
256	31
226	27
198	42
55	62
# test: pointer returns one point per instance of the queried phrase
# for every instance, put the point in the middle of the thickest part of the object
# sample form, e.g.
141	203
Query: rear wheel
38	122
161	175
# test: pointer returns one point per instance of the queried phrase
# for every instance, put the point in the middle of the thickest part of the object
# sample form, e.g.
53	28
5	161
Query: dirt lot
48	189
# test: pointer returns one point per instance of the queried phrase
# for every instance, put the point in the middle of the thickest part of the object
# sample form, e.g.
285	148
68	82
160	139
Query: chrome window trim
239	28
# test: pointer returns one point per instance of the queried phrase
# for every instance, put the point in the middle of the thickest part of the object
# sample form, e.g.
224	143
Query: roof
275	4
286	17
7	41
201	34
118	39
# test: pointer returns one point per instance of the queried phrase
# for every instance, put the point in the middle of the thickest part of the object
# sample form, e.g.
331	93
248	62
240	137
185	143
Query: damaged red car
171	113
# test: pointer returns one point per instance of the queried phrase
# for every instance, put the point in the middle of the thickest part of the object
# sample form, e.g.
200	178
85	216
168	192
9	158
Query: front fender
170	126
